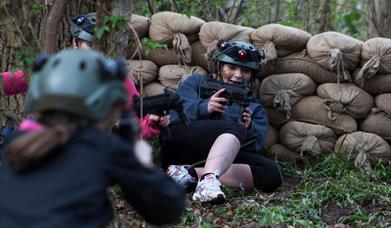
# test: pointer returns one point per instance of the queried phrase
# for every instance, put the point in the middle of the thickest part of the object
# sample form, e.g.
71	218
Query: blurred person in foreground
58	175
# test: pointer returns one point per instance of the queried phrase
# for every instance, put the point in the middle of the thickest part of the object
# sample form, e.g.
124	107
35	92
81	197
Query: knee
270	179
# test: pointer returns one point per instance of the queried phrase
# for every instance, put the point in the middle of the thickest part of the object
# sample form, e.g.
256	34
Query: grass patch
329	192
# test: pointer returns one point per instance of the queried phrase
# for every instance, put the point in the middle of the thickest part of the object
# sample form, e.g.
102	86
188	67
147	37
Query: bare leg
237	176
222	154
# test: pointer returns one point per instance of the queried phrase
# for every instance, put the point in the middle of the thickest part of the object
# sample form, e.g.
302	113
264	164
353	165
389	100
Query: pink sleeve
131	90
14	83
29	125
147	130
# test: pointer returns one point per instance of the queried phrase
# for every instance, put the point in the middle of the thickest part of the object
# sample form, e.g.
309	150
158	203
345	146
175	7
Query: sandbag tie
336	63
362	161
310	144
182	47
369	69
270	51
283	99
333	107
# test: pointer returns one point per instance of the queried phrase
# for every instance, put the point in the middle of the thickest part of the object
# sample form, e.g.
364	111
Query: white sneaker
208	190
180	175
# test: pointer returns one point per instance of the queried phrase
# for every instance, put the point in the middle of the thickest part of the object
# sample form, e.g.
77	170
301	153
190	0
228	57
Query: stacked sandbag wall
319	90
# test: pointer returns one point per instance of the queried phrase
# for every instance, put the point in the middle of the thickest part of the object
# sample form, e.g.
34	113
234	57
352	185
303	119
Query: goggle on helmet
82	26
240	53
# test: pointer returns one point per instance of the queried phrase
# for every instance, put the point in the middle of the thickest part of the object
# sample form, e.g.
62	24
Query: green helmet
78	82
82	26
238	52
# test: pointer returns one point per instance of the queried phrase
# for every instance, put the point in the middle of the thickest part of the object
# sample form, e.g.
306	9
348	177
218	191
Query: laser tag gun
234	93
159	105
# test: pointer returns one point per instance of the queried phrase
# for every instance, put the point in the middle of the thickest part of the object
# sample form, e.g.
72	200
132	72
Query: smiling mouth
235	82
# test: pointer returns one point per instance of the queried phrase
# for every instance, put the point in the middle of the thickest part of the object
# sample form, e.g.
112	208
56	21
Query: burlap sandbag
299	63
365	149
375	58
335	51
160	56
143	69
345	98
213	31
381	83
313	139
198	56
176	30
311	109
171	75
378	123
140	24
153	88
271	137
382	101
279	40
282	91
256	86
276	118
281	153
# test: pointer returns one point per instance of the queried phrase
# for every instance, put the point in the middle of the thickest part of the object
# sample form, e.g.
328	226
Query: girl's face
77	43
235	74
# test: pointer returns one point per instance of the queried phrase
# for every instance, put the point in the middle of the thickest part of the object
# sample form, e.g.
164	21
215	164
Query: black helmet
82	83
82	26
238	52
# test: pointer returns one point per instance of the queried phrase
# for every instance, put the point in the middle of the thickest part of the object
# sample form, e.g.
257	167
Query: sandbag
313	139
375	58
335	51
381	83
378	123
198	56
281	153
299	63
171	75
345	98
143	69
279	40
271	137
160	56
177	31
382	101
365	149
276	118
311	109
282	91
165	25
256	86
153	88
140	24
213	31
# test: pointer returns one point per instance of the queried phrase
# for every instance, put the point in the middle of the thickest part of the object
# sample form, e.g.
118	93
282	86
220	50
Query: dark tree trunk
52	25
379	18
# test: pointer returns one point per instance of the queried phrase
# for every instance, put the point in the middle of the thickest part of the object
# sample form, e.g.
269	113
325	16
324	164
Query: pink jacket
148	130
14	83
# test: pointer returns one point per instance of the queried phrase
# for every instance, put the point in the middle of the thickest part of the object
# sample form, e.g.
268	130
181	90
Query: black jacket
69	188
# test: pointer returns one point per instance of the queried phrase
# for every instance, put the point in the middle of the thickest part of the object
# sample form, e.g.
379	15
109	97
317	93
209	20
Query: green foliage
152	45
37	8
330	186
25	58
110	23
345	16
